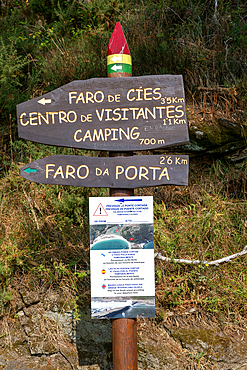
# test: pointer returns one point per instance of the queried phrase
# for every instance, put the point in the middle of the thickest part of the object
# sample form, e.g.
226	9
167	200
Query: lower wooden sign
116	172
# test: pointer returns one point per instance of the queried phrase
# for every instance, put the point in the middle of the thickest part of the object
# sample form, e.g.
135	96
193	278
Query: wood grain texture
115	114
115	172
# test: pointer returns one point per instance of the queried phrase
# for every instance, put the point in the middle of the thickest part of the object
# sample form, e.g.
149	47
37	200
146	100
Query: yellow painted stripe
119	58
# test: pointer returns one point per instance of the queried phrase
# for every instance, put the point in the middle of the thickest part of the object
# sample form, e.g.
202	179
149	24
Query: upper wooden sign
134	113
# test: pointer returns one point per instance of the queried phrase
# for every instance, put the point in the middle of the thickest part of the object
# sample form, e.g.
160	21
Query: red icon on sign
100	211
103	271
103	286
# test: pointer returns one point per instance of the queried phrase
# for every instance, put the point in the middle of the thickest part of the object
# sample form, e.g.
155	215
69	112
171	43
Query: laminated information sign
122	257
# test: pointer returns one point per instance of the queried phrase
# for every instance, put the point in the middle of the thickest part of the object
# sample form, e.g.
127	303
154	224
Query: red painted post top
119	62
118	43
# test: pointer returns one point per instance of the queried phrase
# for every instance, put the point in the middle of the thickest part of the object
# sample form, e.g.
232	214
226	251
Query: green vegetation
204	221
44	229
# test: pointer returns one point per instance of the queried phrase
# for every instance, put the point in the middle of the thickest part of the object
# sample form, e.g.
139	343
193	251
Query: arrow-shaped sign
115	67
95	172
128	200
30	170
44	101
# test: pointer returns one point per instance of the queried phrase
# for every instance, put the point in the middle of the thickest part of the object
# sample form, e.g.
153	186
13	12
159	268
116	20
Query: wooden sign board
115	172
134	113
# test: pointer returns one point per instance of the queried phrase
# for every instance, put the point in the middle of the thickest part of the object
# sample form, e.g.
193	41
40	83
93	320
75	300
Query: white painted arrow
115	68
115	58
44	101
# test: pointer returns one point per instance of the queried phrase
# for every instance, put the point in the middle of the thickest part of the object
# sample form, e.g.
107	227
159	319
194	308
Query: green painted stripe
117	67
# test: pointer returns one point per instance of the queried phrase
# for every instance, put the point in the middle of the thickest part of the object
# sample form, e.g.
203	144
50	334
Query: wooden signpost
124	331
128	172
119	54
141	113
120	116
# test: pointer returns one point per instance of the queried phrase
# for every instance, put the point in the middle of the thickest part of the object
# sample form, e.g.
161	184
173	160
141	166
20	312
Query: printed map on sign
122	257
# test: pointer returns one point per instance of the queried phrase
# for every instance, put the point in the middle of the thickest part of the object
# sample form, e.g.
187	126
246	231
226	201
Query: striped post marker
119	62
124	331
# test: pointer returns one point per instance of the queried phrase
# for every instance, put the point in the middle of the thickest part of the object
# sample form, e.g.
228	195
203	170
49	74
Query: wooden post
166	128
124	331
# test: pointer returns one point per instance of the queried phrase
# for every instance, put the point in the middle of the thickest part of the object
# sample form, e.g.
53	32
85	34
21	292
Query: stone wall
44	335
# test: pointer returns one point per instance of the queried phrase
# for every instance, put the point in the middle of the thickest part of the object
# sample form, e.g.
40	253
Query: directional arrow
52	170
119	58
115	67
30	170
44	101
116	58
128	200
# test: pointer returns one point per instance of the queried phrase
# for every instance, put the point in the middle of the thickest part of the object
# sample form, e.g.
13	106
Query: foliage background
44	229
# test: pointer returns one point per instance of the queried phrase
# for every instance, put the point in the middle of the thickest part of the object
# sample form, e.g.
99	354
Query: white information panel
122	257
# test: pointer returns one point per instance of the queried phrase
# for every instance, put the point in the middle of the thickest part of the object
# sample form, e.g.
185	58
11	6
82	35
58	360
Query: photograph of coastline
122	307
122	257
118	236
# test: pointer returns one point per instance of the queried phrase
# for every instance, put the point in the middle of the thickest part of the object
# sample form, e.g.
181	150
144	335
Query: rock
91	367
64	320
220	137
52	362
94	341
15	339
39	331
58	303
213	344
29	297
46	336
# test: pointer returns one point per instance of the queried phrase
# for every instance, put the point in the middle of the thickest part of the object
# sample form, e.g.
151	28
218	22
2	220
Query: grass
204	221
45	235
46	45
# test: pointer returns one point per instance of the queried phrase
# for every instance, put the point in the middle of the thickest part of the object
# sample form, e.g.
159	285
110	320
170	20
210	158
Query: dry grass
203	221
206	220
